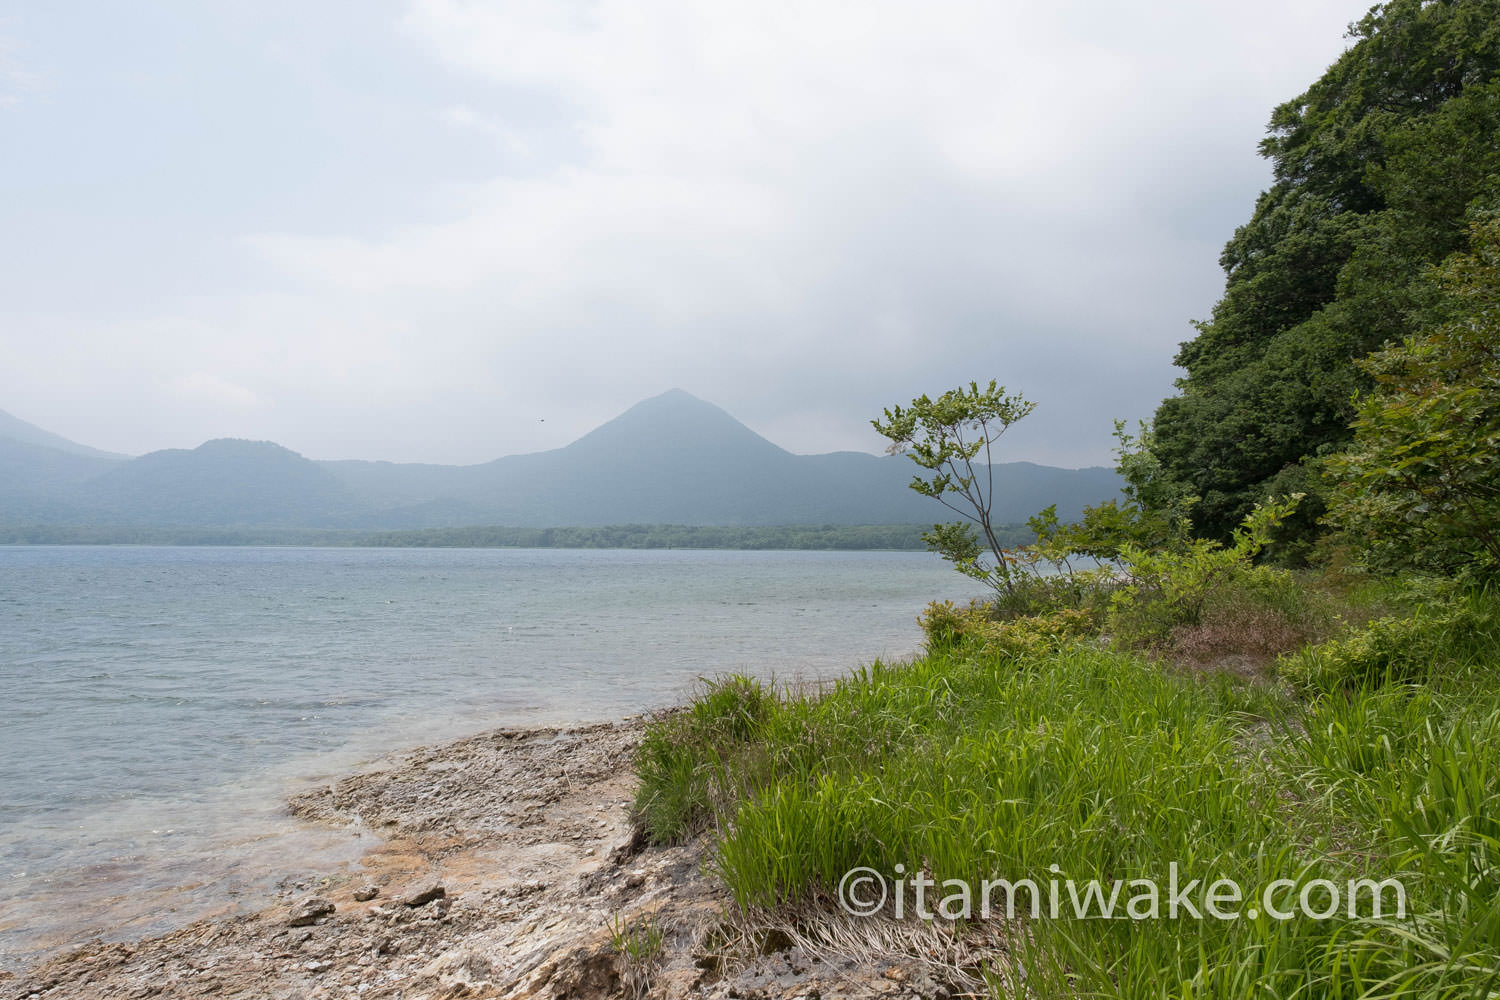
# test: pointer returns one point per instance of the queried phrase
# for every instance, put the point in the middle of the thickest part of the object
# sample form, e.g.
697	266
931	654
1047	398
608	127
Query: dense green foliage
1380	168
1420	484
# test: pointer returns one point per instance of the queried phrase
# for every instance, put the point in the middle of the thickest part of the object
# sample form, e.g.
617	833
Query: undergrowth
1032	748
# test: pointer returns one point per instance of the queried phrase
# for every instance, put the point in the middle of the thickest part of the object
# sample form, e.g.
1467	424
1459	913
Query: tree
1379	168
1420	485
952	438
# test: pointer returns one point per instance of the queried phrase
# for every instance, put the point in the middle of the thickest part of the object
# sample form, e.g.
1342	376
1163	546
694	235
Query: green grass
976	765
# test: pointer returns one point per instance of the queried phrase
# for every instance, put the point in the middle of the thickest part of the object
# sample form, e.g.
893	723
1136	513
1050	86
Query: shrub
1177	593
946	624
1244	624
975	629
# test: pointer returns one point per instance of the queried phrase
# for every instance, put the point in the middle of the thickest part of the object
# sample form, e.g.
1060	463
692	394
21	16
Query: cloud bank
484	227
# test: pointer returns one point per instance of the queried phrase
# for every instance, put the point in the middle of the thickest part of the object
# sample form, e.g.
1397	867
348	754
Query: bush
976	630
1207	599
1260	619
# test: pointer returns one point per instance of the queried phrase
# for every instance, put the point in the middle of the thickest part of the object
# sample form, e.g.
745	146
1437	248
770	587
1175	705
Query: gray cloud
801	212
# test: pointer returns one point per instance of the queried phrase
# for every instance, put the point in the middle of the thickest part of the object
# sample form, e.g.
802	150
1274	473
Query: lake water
160	703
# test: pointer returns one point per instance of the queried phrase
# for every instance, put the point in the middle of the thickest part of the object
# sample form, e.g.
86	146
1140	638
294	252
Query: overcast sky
440	230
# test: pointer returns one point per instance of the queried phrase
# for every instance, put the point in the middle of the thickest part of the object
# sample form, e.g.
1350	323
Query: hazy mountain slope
222	482
16	429
39	470
34	469
397	484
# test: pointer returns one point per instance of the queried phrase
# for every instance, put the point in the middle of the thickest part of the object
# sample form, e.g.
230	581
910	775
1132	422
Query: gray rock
424	896
365	893
309	912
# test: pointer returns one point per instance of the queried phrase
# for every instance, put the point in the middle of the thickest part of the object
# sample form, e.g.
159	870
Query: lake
162	702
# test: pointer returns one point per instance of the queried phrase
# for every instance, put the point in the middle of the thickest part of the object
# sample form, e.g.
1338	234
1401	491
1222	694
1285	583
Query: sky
446	231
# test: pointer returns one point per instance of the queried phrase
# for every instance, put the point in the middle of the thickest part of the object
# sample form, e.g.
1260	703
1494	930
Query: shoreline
220	852
503	864
492	819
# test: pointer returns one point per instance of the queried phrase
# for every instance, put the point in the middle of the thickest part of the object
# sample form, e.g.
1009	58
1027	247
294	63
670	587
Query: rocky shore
506	867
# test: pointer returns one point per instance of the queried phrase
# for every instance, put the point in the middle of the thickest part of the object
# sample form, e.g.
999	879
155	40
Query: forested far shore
895	537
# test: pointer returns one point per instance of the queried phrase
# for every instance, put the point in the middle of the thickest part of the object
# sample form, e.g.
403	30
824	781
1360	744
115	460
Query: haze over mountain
38	467
671	459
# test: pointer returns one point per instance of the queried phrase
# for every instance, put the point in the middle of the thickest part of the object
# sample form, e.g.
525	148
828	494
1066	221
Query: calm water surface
160	703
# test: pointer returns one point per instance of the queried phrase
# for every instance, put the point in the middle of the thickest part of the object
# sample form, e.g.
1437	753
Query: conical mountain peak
678	421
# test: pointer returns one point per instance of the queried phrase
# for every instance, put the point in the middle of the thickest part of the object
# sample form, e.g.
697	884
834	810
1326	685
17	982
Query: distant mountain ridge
16	429
670	459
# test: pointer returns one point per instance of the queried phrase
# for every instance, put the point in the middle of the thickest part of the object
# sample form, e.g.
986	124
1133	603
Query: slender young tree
952	439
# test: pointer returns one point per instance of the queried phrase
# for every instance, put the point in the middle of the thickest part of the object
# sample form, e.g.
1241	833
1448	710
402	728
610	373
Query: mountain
39	470
13	429
671	459
675	459
222	482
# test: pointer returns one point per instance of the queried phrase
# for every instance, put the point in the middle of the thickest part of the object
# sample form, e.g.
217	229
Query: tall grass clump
687	763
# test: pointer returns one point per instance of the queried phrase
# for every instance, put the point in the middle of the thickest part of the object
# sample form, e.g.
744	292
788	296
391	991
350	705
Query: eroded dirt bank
506	868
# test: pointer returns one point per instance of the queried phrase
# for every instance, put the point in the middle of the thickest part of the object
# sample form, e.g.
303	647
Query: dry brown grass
1251	634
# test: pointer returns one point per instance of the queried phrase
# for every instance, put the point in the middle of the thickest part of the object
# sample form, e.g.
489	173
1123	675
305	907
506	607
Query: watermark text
866	892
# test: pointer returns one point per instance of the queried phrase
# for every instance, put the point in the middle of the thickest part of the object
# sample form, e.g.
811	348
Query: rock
365	893
309	912
460	968
424	896
676	984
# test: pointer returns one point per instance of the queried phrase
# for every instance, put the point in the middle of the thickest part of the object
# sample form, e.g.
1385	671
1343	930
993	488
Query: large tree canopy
1380	168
